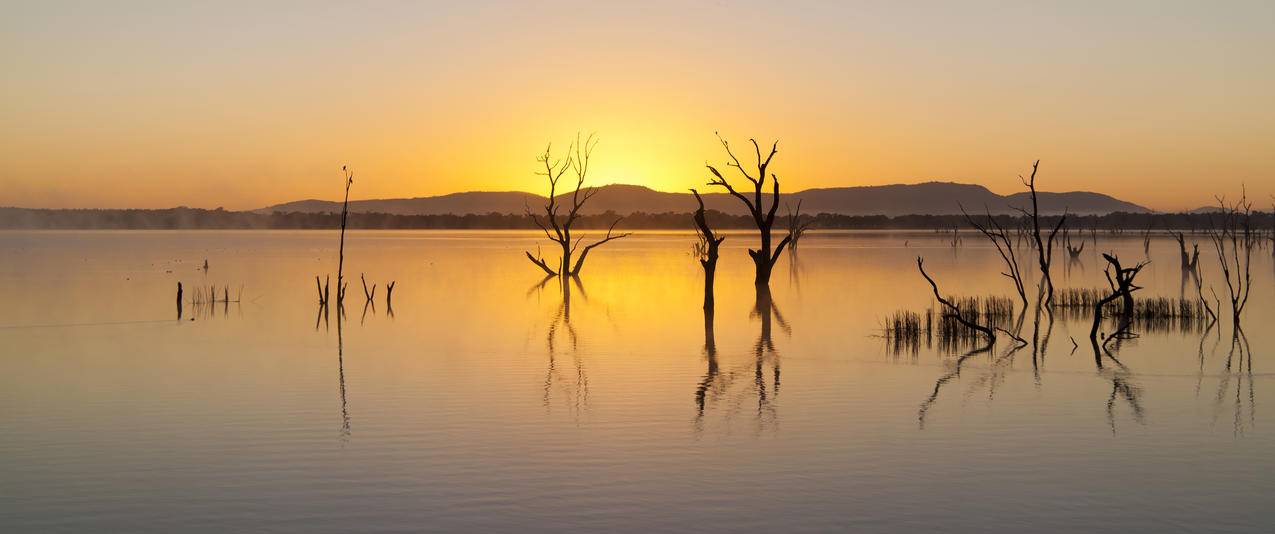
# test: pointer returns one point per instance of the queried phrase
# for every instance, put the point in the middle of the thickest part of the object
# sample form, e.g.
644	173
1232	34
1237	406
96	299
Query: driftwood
763	258
953	311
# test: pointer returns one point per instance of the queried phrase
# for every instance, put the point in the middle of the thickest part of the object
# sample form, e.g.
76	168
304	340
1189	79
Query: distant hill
931	198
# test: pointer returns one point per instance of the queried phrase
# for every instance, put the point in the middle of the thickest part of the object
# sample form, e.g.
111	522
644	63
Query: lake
487	401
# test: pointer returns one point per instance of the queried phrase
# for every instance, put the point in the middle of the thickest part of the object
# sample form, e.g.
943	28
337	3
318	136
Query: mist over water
492	400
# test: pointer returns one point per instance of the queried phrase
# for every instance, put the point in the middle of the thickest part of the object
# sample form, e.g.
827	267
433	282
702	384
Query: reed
905	330
1155	314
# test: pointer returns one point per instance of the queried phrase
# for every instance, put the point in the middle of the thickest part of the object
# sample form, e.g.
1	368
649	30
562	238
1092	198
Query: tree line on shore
220	219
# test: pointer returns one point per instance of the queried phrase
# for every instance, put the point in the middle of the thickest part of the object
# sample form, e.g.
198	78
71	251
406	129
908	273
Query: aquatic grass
905	330
1153	314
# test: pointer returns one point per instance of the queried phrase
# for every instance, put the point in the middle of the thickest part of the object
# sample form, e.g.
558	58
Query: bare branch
953	311
609	237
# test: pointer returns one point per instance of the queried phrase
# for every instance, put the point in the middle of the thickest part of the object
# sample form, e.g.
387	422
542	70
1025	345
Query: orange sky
236	105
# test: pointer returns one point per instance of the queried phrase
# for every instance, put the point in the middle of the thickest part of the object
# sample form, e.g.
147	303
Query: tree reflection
762	373
340	367
571	384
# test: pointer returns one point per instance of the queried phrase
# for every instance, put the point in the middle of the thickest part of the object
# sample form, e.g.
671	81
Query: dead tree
1120	280
1230	233
763	258
1044	247
1272	231
999	238
952	310
1190	262
709	242
367	294
1146	237
557	227
340	262
796	227
1074	252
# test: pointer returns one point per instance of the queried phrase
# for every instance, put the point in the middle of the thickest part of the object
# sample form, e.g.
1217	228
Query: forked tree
1044	247
557	226
1230	230
1120	279
763	257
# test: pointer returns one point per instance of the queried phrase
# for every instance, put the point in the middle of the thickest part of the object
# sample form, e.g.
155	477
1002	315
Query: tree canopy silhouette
763	258
556	226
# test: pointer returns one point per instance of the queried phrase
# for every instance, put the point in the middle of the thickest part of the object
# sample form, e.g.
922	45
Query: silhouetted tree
1120	279
557	227
797	227
996	234
707	248
345	214
1230	230
763	258
1189	261
1044	247
340	262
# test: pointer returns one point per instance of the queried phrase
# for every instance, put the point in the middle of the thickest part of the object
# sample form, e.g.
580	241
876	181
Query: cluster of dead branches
1231	233
557	226
322	286
1000	239
796	226
763	257
324	293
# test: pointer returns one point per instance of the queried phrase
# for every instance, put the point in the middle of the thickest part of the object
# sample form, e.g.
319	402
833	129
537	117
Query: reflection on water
571	384
340	370
754	382
490	399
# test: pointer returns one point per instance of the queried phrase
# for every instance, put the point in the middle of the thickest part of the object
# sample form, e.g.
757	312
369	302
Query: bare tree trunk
708	252
763	257
1234	251
340	262
1044	247
1120	280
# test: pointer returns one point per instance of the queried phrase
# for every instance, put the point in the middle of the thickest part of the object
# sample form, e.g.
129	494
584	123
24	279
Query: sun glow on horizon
244	106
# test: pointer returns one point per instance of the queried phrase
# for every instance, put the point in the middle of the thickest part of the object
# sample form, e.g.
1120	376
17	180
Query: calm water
484	402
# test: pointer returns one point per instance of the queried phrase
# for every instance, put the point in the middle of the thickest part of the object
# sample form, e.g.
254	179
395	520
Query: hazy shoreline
202	219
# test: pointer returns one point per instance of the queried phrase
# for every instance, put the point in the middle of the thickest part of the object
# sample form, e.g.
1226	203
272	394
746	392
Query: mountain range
930	198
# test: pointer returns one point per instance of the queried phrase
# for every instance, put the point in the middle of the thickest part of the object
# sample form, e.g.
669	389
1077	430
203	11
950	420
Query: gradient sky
123	104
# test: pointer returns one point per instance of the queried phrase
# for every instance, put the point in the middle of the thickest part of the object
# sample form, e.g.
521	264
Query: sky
244	105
